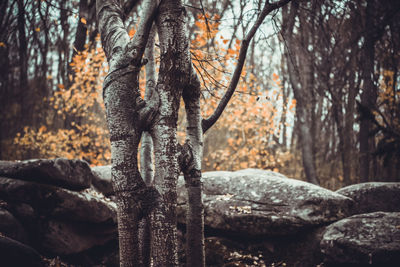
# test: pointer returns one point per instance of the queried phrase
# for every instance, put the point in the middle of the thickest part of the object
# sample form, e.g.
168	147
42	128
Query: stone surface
373	196
51	201
14	253
371	239
60	221
84	206
259	202
65	238
11	227
253	216
102	179
71	174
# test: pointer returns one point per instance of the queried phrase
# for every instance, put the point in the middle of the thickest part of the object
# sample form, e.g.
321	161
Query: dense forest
309	89
318	98
326	71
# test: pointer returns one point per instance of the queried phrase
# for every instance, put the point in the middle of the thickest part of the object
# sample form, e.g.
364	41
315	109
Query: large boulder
371	239
51	201
373	196
102	179
86	206
11	227
66	238
14	253
70	174
259	202
59	221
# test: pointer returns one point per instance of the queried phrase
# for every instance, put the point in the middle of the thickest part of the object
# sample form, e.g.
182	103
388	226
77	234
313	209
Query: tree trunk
349	132
302	87
127	116
195	215
367	96
171	79
306	143
23	58
146	152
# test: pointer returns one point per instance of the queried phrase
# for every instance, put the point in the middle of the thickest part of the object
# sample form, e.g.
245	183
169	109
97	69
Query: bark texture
192	173
127	116
174	60
146	156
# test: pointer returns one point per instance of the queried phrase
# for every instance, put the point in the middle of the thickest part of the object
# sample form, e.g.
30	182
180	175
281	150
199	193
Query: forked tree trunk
127	116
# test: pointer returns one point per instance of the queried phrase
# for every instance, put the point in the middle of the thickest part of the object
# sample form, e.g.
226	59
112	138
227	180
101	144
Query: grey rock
216	252
259	202
51	201
70	174
65	238
11	227
371	239
373	196
24	211
14	253
60	221
102	179
84	206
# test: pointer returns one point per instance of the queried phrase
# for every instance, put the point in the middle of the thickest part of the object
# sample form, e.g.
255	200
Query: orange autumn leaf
87	139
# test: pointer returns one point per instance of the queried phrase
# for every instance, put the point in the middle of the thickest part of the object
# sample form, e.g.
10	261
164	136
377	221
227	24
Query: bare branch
115	37
210	121
139	40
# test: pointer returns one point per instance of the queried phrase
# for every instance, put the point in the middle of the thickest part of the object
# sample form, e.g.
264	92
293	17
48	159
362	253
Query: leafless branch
210	121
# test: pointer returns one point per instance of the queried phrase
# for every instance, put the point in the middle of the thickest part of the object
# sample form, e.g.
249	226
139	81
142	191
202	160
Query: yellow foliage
244	135
248	127
87	135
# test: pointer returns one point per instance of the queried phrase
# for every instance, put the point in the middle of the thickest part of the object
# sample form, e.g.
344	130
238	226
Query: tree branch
125	56
268	8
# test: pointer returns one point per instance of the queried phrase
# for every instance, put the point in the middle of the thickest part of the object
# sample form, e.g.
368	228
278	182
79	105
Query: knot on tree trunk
147	110
187	165
148	199
185	158
193	178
